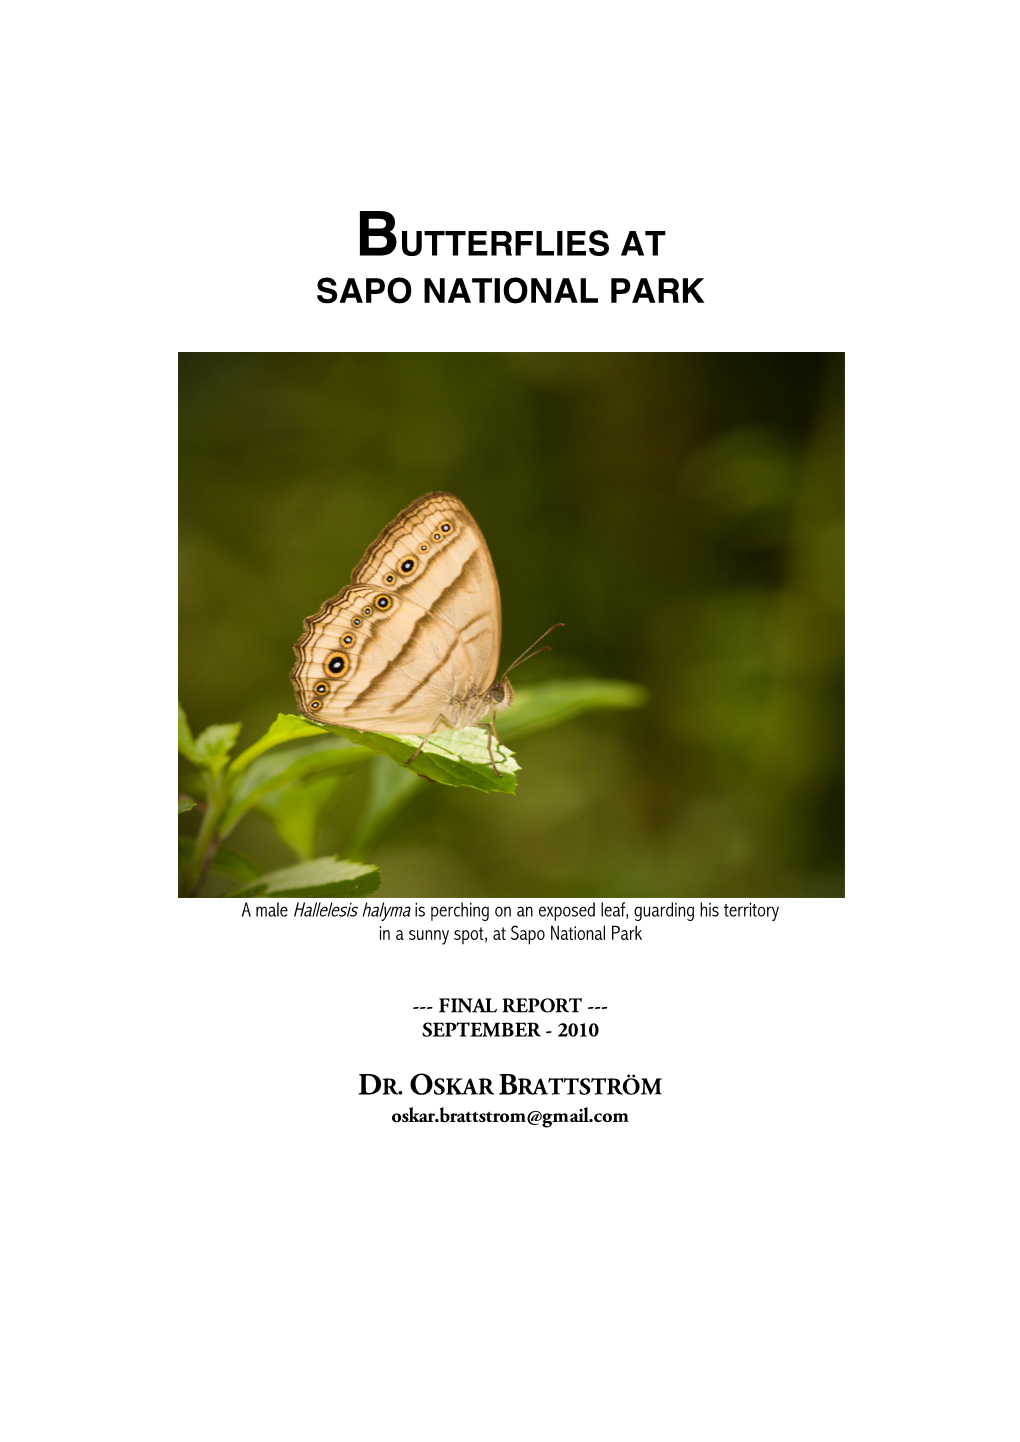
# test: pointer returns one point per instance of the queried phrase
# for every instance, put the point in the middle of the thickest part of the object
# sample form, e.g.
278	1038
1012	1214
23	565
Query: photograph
478	624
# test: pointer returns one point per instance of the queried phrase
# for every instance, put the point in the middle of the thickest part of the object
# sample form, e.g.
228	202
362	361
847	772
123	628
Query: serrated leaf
288	763
185	740
539	707
226	861
296	811
453	758
212	749
185	803
284	728
325	876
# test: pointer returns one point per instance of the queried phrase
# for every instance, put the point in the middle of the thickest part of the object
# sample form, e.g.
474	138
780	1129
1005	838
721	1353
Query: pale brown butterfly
411	646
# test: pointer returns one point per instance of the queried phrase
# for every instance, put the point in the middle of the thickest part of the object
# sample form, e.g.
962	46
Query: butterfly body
411	645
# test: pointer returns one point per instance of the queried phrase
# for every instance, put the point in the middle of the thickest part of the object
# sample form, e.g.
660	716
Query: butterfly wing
416	631
435	553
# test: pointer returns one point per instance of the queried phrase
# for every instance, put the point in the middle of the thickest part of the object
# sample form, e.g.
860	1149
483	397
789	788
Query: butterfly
411	646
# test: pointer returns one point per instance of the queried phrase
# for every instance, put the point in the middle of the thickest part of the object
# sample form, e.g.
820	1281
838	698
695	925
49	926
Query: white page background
811	1233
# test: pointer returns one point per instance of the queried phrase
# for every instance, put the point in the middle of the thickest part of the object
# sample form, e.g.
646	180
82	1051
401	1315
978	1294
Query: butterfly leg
439	721
491	726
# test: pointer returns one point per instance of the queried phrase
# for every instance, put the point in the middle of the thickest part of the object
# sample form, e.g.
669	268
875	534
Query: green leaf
284	728
185	740
185	803
453	758
325	876
391	787
296	811
212	749
288	763
539	707
225	861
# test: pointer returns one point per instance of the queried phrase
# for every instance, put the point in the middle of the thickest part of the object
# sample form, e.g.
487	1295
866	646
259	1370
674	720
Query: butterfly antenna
534	649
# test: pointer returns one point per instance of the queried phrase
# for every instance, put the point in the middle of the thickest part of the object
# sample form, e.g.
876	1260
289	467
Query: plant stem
207	840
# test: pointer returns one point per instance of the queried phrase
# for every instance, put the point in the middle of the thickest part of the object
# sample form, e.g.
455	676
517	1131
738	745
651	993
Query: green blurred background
682	514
